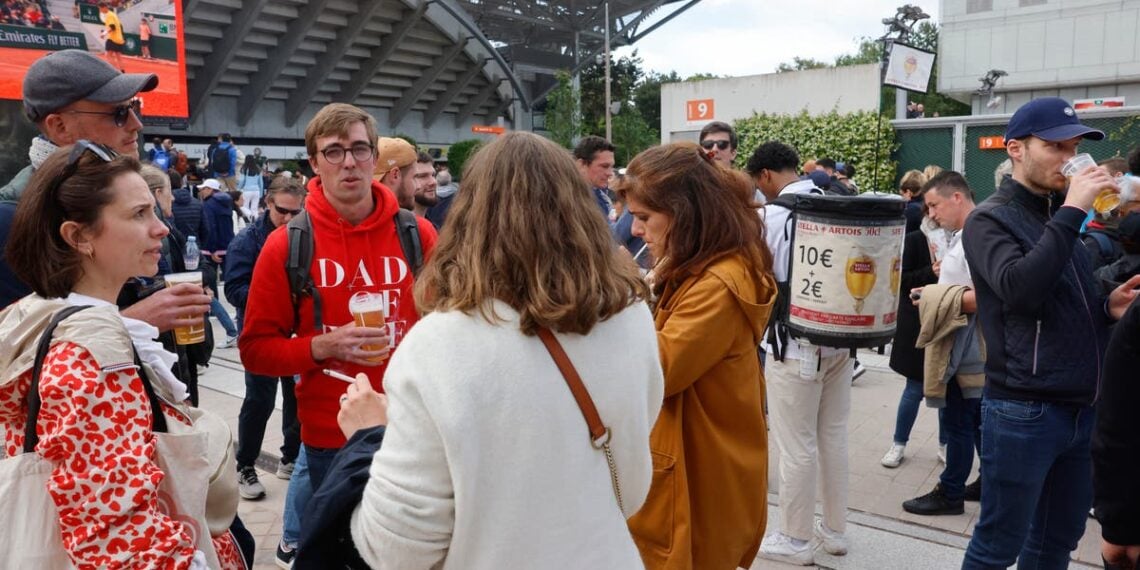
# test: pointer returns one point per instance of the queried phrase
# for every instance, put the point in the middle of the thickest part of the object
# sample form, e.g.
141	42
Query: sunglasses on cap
709	144
286	211
81	147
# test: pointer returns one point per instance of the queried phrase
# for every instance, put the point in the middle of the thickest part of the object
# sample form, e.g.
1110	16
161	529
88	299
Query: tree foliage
458	155
800	64
847	138
562	118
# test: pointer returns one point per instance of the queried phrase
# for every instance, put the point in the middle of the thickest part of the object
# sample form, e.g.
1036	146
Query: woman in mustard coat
707	506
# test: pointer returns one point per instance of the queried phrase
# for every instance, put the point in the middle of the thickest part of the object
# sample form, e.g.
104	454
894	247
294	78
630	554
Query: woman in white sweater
487	461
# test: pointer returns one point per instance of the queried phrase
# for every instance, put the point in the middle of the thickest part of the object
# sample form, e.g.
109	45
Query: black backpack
300	259
220	161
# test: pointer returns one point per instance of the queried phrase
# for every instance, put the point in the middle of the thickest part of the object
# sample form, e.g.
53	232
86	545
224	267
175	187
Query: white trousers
808	419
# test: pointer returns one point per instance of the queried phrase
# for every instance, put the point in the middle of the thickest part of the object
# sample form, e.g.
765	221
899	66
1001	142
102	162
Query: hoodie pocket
1036	346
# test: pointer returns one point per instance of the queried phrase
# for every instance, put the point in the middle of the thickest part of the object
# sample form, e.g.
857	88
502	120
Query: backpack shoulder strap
297	267
1103	243
409	231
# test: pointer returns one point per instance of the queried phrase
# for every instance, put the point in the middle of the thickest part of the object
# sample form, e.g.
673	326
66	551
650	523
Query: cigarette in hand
340	376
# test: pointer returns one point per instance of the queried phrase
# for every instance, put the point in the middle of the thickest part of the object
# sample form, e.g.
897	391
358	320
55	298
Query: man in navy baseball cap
1045	322
1051	119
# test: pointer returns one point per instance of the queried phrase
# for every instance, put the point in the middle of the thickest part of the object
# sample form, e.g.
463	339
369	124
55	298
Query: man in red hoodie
357	248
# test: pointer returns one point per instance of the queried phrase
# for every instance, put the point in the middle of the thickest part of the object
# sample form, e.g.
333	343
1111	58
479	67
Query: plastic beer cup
1108	199
370	310
192	334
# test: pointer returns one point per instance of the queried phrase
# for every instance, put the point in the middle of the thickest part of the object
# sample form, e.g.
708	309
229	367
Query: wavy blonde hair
525	230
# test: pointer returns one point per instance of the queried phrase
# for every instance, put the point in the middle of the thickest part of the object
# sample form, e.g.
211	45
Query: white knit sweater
487	461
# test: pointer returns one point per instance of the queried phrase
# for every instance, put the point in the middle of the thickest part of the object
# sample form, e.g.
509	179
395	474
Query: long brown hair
525	230
36	251
710	206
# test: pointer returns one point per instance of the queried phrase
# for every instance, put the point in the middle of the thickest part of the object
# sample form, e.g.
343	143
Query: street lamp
609	128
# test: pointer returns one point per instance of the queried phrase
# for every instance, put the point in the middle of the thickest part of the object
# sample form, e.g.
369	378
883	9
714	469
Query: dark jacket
1103	245
11	288
913	215
1042	314
240	259
1116	439
622	231
1116	273
916	272
326	539
437	214
188	216
218	211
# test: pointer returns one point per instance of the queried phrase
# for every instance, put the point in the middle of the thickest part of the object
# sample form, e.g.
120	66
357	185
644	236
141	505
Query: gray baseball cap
61	78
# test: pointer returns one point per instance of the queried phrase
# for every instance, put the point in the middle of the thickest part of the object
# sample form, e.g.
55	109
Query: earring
89	252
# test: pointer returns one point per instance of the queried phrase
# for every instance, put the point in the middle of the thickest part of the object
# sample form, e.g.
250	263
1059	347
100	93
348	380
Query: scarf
149	350
40	151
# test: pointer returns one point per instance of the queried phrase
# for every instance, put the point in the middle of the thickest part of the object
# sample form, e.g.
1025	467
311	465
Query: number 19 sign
699	110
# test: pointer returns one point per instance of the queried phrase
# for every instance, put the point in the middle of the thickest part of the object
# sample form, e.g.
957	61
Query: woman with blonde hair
489	460
713	280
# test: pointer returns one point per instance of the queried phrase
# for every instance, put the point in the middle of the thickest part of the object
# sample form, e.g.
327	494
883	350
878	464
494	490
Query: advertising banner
845	275
144	36
909	68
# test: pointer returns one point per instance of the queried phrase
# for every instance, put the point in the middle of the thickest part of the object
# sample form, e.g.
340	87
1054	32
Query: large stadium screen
138	36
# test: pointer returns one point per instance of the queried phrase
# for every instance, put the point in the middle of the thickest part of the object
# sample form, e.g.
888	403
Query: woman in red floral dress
85	225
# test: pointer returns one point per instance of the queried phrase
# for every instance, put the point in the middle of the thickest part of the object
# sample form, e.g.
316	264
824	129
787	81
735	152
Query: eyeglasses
120	115
288	212
360	153
81	146
708	144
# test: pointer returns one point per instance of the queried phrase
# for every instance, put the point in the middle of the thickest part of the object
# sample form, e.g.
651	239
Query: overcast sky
749	37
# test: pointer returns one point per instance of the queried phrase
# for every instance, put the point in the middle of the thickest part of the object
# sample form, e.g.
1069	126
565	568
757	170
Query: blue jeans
960	422
908	413
223	317
296	500
1037	482
260	396
319	462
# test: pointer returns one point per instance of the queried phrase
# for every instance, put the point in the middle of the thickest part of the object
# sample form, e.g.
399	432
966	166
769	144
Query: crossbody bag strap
600	435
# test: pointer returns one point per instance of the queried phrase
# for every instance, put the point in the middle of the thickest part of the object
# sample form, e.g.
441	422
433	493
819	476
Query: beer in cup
370	310
196	333
1108	199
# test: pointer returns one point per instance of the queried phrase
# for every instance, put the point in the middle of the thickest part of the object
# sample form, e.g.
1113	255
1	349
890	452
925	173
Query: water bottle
193	254
809	360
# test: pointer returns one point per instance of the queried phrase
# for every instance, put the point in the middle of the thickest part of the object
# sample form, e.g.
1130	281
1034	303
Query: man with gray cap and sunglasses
72	95
1045	324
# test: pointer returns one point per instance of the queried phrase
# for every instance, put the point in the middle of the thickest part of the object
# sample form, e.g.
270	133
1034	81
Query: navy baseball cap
1051	119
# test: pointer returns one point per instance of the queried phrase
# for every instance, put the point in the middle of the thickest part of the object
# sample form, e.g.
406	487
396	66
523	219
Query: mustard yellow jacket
707	506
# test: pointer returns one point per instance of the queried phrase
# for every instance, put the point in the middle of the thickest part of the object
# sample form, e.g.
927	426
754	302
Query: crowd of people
617	346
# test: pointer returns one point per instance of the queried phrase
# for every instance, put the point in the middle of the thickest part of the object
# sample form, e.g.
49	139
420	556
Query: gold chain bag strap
599	434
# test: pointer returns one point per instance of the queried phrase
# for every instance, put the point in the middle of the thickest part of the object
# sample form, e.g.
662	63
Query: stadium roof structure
464	57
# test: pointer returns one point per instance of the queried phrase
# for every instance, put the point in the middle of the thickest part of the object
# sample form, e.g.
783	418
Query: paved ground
881	534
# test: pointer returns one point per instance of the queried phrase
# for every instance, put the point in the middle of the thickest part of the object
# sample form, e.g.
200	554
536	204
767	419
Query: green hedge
845	138
458	154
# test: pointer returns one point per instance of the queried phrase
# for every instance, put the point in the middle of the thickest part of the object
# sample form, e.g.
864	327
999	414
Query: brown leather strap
593	420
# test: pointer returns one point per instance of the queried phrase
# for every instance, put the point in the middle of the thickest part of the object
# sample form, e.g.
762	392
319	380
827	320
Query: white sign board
909	68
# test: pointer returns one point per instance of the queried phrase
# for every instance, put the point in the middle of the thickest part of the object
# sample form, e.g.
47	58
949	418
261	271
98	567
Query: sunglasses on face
287	212
360	153
120	115
709	144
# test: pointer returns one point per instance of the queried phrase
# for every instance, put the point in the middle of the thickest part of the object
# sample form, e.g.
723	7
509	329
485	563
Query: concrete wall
1070	48
818	91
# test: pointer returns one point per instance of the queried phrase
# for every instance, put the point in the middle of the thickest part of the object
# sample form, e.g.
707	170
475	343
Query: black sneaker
934	503
285	556
974	491
249	487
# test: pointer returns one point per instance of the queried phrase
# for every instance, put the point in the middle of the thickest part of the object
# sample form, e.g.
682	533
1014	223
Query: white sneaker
942	454
894	456
833	542
780	547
